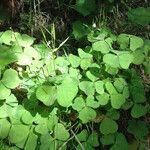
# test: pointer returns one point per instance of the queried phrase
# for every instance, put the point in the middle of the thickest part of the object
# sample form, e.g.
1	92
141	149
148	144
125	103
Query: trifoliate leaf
111	60
10	78
78	104
125	59
12	100
119	84
87	87
87	114
121	143
74	60
7	37
101	46
60	132
18	134
108	126
4	92
138	128
85	63
135	43
83	54
117	100
108	139
4	128
138	110
83	135
103	99
46	94
99	86
93	139
66	92
85	7
91	102
111	70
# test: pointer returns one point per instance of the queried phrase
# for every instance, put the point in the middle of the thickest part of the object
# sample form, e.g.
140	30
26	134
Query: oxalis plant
73	101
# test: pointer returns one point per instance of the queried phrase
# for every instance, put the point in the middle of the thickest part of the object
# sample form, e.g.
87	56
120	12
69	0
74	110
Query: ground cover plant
95	96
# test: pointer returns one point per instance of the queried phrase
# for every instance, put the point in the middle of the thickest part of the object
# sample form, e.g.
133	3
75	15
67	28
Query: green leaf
60	132
7	37
66	92
138	110
108	126
4	92
121	143
78	104
4	128
110	88
85	63
10	79
27	117
85	7
124	41
117	100
103	99
139	15
91	102
120	84
111	60
41	129
31	142
99	86
18	135
91	76
74	60
101	46
135	43
87	87
87	114
12	100
138	128
107	139
125	59
93	139
79	30
113	114
46	94
83	54
83	135
138	57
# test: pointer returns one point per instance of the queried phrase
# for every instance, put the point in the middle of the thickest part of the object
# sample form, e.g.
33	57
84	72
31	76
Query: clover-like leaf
103	99
31	142
125	59
101	46
119	84
87	114
4	92
87	87
78	104
6	37
124	40
83	135
66	92
93	139
74	60
18	134
46	94
110	88
41	129
60	132
117	100
108	126
138	110
10	78
4	128
135	42
91	75
99	87
27	117
91	102
111	60
120	143
108	139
